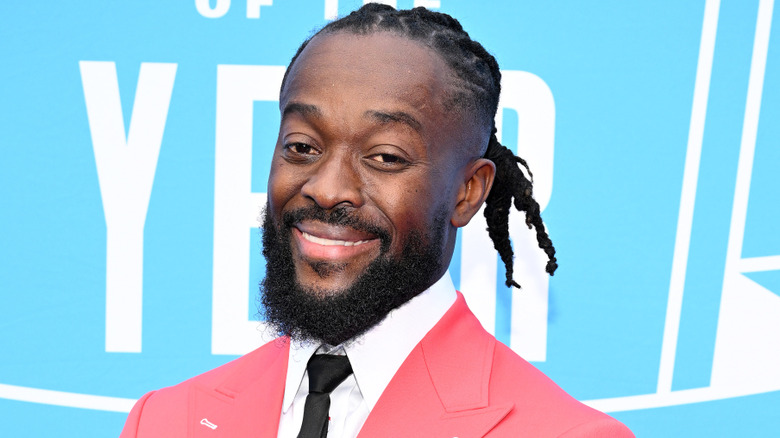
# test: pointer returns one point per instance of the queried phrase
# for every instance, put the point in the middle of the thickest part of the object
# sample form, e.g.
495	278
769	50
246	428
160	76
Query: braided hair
477	86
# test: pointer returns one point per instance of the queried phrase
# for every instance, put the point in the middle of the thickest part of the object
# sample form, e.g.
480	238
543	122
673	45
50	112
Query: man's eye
389	159
301	148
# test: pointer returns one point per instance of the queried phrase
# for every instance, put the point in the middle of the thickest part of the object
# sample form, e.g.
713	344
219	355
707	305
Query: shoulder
541	407
165	411
536	406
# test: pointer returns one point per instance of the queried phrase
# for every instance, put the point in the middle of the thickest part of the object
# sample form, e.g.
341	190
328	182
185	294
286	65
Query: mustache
342	216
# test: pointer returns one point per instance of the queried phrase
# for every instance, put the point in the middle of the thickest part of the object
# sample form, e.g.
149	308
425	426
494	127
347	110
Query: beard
311	314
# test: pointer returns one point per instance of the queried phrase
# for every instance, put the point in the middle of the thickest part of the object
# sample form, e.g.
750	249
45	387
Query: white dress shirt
375	357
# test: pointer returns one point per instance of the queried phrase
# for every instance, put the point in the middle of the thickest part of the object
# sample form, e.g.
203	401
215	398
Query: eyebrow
395	117
304	109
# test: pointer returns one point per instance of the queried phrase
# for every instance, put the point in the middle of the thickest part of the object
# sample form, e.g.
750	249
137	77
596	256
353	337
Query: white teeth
328	242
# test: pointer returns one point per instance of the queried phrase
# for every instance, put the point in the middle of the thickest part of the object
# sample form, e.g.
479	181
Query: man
386	147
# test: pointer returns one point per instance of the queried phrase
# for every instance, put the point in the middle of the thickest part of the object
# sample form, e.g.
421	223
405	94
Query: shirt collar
377	354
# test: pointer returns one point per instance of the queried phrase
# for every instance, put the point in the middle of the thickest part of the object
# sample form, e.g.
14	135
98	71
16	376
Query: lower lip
335	253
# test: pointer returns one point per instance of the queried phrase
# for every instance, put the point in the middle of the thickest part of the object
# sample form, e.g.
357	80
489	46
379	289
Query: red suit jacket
457	382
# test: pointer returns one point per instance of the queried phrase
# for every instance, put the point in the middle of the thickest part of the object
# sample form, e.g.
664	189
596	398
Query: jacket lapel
442	389
248	403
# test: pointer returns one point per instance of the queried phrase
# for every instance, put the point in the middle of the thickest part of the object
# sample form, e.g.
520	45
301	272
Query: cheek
426	203
283	184
410	207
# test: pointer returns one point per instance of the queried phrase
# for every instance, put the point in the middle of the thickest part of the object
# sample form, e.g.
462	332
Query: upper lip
333	232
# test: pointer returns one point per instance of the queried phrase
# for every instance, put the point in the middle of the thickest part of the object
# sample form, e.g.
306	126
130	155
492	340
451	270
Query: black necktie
326	372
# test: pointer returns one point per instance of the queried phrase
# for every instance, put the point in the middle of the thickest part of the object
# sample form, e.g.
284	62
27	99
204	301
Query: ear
477	181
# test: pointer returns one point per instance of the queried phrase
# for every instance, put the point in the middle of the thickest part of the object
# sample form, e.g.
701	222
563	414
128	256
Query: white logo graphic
746	357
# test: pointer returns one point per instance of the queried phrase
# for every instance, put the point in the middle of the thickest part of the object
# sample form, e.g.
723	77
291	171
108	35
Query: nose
334	181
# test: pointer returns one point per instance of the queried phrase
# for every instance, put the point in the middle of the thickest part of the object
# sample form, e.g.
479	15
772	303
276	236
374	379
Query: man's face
364	135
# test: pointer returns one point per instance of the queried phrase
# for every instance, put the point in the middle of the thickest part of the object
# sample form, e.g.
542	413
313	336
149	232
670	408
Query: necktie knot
326	372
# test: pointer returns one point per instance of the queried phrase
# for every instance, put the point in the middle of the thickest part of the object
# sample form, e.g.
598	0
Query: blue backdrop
136	139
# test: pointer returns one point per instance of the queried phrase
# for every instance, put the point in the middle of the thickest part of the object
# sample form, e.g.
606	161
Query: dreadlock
477	87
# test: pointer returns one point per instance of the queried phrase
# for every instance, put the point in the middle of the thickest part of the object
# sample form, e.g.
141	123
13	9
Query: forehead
376	69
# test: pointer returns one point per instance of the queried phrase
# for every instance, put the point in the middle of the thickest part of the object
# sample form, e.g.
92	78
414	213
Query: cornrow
477	86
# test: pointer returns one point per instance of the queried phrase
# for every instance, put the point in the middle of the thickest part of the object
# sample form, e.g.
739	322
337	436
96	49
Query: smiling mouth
324	243
329	242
